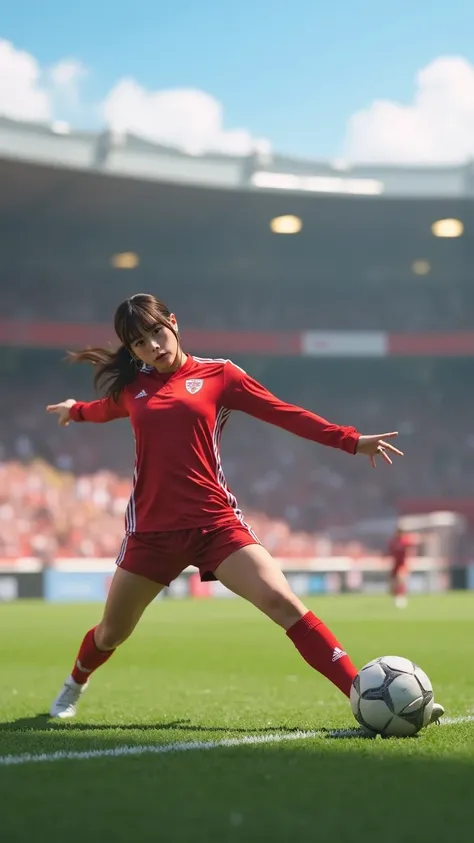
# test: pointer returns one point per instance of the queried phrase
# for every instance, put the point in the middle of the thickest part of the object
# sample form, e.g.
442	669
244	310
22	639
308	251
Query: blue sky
292	73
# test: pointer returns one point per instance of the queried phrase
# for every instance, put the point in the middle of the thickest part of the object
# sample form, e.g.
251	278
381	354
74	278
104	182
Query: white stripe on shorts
122	551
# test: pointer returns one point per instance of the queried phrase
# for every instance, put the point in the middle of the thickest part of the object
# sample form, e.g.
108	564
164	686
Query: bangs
137	319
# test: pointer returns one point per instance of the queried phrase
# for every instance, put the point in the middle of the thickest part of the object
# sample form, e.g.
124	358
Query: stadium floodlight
125	260
287	224
447	228
421	267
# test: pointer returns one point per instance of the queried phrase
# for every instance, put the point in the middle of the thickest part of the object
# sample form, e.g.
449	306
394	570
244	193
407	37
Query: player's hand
62	410
376	445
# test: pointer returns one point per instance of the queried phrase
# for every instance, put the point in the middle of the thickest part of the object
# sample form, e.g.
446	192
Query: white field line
190	746
450	721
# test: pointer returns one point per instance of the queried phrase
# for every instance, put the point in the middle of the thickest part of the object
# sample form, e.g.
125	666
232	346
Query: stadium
346	290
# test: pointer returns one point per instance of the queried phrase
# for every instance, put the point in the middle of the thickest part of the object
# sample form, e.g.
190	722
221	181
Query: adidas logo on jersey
142	394
338	654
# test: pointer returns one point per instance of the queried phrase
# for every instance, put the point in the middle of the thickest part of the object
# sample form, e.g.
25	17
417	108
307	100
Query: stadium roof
132	157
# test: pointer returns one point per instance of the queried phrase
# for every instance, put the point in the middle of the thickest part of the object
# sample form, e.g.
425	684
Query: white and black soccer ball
393	697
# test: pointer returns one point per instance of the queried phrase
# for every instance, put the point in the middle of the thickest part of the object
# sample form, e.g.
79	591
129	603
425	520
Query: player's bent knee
284	609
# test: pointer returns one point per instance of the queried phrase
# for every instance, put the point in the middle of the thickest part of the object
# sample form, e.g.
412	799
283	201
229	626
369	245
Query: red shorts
163	556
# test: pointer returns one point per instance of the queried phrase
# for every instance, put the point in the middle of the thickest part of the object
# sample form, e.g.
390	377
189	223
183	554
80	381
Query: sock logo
85	669
338	654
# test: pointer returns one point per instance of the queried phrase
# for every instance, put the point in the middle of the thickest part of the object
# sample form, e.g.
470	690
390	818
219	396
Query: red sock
322	651
89	658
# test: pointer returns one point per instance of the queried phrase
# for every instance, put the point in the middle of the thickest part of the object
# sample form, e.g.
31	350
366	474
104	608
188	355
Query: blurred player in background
400	550
181	511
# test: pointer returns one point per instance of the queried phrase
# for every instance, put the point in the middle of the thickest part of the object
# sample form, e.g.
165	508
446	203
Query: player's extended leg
128	597
253	574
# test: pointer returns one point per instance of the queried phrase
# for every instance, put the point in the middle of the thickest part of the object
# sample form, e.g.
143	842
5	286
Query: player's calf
89	658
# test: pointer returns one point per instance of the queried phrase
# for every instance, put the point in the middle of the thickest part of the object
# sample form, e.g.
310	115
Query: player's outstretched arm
241	392
100	411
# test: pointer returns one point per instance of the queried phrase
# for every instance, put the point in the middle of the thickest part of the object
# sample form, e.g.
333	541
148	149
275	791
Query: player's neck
181	358
178	362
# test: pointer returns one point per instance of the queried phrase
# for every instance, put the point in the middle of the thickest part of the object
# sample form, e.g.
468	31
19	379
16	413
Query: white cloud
189	119
438	127
29	92
22	97
186	118
64	83
67	73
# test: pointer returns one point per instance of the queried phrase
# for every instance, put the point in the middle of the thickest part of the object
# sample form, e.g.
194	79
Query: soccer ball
392	697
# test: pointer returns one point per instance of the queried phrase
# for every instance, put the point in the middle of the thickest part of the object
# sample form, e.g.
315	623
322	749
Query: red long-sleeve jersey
400	549
177	420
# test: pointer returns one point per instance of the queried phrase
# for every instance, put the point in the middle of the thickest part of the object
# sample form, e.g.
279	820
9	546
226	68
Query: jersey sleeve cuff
75	412
350	440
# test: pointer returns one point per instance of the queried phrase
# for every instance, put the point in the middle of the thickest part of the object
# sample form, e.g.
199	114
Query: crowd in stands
64	491
314	304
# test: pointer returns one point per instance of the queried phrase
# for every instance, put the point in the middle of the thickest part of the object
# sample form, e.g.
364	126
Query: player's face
158	347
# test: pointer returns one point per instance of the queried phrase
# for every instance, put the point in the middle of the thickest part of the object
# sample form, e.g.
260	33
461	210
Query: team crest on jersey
193	385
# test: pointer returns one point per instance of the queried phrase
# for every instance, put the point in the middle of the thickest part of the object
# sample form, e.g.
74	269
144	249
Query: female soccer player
181	511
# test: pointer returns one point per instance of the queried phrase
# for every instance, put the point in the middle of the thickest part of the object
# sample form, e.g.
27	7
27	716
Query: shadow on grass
43	722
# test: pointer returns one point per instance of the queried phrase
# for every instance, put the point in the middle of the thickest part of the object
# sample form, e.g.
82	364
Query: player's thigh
128	597
253	574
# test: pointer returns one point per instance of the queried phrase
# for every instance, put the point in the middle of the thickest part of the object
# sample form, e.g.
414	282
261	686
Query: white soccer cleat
438	711
64	706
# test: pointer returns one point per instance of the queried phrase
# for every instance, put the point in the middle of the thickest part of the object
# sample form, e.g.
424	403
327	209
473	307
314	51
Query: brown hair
116	369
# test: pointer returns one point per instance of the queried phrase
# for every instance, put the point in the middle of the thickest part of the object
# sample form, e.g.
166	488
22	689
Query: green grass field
211	671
